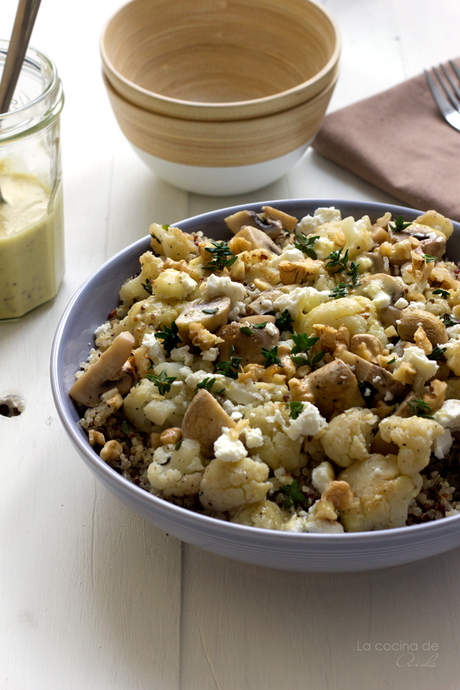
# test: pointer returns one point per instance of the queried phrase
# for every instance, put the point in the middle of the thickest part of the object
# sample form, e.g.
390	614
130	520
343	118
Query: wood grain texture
90	596
220	60
220	143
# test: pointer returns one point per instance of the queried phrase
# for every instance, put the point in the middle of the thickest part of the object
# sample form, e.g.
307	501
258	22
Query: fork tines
447	98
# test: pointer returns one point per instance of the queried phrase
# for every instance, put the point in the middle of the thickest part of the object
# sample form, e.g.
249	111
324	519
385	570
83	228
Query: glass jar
31	209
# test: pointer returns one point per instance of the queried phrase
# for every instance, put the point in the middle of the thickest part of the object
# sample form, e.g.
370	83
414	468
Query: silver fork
447	98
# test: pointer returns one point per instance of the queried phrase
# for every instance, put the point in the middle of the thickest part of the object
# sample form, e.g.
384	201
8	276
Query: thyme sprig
162	381
170	337
305	244
222	255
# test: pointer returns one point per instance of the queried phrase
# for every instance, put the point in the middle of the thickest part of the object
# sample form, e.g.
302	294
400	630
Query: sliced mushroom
393	286
335	388
211	315
411	319
389	316
274	214
264	302
382	384
204	420
248	347
433	246
367	345
378	265
259	318
106	373
242	219
258	239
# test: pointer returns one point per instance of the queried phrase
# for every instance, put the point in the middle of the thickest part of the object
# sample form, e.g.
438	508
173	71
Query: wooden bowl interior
219	52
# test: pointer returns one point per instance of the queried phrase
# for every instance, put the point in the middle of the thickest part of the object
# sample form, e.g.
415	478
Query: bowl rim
178	514
151	100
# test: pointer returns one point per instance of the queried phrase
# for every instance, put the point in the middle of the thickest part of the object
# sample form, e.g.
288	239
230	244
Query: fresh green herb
284	322
295	408
305	244
293	493
262	324
162	381
353	272
271	356
208	384
420	408
245	330
125	428
165	227
148	286
155	237
210	311
303	342
336	260
178	444
231	367
447	320
223	257
438	353
392	361
399	225
444	293
170	337
429	259
340	290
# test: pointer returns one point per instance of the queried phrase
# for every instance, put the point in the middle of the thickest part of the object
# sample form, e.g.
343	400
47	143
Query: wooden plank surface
90	595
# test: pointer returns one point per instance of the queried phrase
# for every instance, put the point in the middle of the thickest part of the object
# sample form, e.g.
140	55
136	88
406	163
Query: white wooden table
90	595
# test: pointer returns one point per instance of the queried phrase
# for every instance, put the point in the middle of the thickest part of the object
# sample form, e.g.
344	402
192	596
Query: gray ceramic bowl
283	550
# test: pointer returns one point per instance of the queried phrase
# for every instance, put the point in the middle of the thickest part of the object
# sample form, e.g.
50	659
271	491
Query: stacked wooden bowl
220	96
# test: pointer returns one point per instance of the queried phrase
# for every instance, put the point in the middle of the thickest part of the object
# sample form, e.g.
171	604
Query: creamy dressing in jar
31	244
31	209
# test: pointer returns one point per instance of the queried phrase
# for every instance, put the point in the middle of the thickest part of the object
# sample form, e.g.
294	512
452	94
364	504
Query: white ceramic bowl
286	551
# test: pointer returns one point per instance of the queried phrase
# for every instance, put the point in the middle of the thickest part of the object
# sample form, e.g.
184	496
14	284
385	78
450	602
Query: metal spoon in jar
20	37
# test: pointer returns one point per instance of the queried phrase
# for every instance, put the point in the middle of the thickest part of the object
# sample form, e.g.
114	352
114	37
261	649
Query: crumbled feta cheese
253	437
182	354
228	449
155	348
322	475
210	355
308	224
308	423
449	415
425	368
217	286
443	444
401	303
239	308
271	328
289	253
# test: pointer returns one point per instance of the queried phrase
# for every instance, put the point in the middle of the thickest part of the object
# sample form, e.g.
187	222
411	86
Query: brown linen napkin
398	141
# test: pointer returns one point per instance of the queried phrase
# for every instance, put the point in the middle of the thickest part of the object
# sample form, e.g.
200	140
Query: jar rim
39	111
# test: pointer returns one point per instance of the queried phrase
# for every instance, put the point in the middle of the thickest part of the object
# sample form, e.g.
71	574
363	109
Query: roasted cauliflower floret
265	515
381	494
348	436
278	449
177	471
414	437
136	288
229	485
